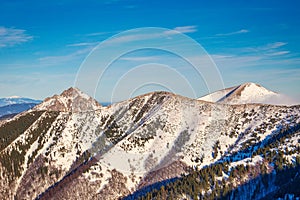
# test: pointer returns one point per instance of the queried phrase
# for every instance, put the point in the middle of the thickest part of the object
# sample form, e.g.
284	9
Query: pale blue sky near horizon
42	44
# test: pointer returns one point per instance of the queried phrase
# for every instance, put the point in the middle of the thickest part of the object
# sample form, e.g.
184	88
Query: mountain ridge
111	152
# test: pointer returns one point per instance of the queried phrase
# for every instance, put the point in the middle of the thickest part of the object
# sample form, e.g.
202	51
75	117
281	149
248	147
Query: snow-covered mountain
13	105
247	93
70	100
17	100
70	147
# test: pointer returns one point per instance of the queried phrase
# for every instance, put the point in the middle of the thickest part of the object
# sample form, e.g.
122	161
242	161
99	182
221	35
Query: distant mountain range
11	106
245	93
155	146
17	100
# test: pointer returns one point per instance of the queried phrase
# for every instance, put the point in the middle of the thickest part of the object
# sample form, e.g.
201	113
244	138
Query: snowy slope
171	130
247	93
216	96
109	152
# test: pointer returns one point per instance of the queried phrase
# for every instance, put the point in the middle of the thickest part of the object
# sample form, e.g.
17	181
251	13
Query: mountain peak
70	100
254	86
71	92
250	84
245	93
249	90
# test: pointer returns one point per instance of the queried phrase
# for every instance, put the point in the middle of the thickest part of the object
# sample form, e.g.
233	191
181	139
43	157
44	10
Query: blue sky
43	44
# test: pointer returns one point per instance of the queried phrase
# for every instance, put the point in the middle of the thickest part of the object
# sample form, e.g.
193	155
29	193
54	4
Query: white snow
13	97
184	129
216	96
248	93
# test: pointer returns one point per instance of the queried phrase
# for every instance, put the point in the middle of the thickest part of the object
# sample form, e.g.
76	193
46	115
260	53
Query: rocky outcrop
70	100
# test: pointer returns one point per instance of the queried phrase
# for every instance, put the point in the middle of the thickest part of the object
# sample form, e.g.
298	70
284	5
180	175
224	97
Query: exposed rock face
70	100
116	186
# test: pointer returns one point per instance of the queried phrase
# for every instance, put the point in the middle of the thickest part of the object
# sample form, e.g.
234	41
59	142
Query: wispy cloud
279	53
270	49
275	45
82	44
11	36
234	33
131	38
176	30
54	60
235	61
149	35
182	29
186	29
274	49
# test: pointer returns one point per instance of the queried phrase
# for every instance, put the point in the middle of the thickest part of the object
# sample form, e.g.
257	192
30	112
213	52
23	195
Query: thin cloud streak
270	49
11	37
102	33
275	45
145	36
182	29
234	33
82	44
279	53
54	60
240	62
